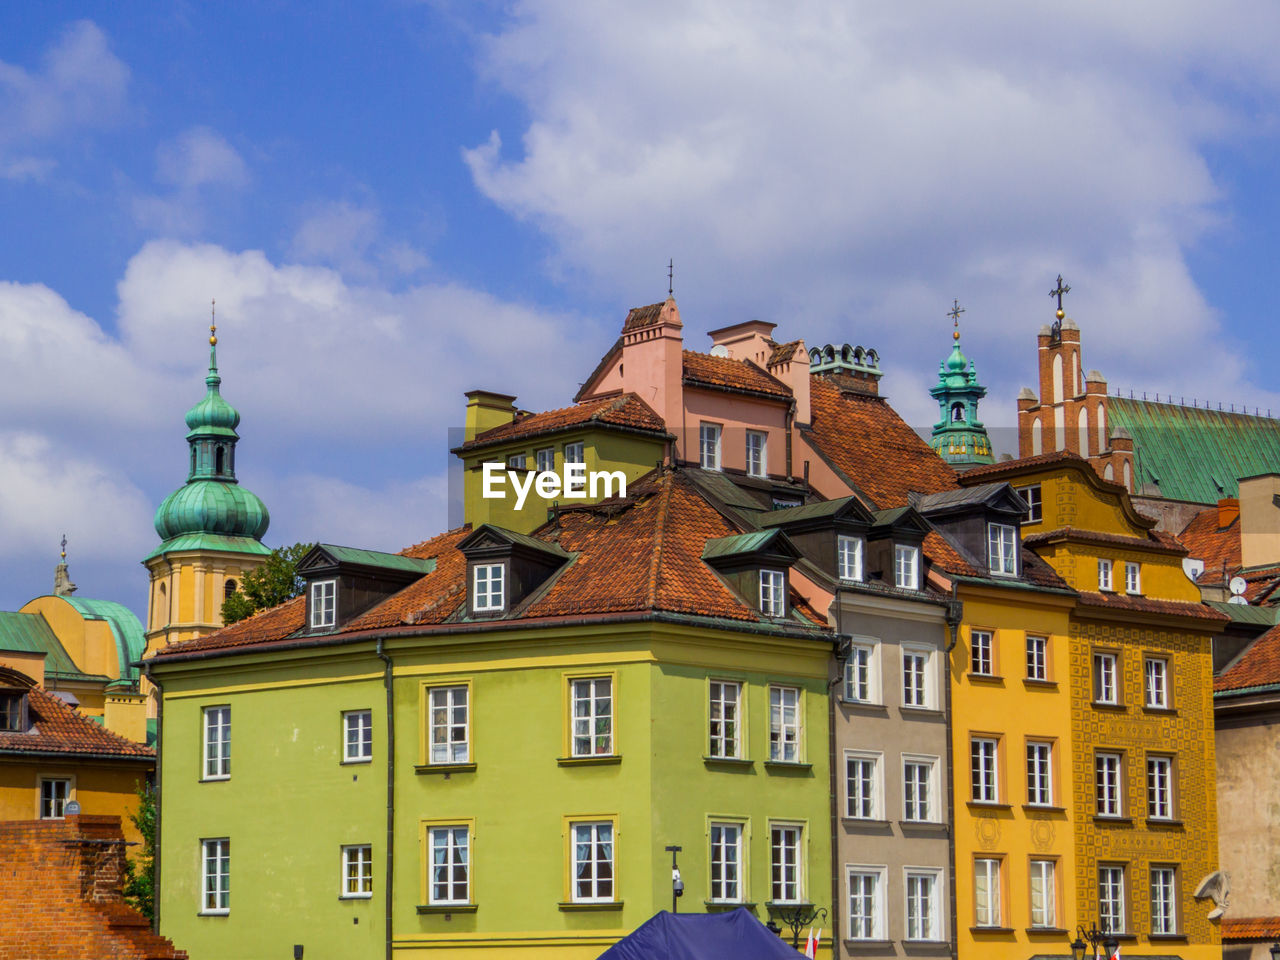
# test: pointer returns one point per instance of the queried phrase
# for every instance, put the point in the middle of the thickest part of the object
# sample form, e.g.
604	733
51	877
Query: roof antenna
671	275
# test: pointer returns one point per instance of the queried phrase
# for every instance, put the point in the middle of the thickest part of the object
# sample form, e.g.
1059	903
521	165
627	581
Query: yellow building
1137	773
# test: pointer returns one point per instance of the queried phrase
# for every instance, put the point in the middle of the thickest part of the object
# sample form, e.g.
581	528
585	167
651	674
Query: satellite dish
720	350
1237	586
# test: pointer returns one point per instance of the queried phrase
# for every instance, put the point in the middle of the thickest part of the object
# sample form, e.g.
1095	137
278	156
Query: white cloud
198	157
350	237
846	169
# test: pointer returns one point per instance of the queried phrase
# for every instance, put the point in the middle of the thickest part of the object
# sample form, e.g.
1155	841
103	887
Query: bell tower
959	436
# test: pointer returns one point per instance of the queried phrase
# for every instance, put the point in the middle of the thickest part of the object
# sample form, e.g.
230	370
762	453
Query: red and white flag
1116	955
811	943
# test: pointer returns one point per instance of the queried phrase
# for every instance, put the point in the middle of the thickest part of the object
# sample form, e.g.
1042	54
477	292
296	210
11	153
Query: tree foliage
140	872
268	585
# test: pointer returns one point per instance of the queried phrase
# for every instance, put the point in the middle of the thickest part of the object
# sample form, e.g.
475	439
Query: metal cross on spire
1058	292
954	314
64	546
671	277
213	323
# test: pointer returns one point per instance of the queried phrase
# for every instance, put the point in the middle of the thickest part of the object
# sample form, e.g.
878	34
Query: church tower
959	436
210	528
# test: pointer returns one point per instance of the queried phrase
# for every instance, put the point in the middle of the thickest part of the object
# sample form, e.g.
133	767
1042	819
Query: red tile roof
704	370
646	316
865	439
1215	545
626	410
992	470
1258	666
1155	542
58	728
640	555
1173	608
783	352
1251	928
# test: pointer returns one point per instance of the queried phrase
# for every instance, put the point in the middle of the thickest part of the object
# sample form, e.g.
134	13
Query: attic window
849	557
13	712
773	593
906	566
1002	548
487	587
324	603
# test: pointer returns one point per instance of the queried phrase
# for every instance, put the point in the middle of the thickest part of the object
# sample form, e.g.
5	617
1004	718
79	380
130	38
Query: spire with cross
671	277
954	314
1055	329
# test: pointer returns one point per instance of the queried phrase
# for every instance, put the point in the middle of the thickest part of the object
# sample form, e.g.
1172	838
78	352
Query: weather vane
954	314
213	323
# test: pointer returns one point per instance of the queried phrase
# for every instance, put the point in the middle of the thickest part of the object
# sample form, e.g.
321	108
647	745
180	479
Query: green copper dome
959	437
212	503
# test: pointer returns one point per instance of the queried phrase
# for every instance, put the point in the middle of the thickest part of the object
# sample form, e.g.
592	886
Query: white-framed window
724	711
1105	689
726	862
786	874
918	778
545	459
861	678
1002	548
984	755
986	893
1035	504
757	453
1111	912
1107	780
906	566
849	557
1132	577
575	452
1037	658
1104	574
324	603
215	876
487	587
982	654
217	743
1040	774
592	716
923	913
450	878
1156	675
357	871
1044	894
1160	788
55	794
449	718
866	903
773	593
517	461
357	736
593	862
864	790
709	446
917	681
784	724
1164	900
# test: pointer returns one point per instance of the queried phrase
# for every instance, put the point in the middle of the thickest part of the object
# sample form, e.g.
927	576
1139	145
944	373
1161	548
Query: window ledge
988	805
728	761
1001	930
600	761
1105	818
1166	936
1163	822
1124	936
355	896
1106	705
447	908
859	943
213	913
864	822
1034	682
1043	808
445	768
922	825
921	942
786	766
869	705
356	762
787	904
215	779
570	907
924	711
1055	931
1161	711
729	904
989	679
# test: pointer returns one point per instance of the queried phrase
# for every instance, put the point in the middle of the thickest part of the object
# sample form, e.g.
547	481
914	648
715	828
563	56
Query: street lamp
1275	951
677	885
1096	938
1111	945
1079	947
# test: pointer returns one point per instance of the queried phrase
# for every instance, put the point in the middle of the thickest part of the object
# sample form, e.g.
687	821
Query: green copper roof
210	541
1245	613
31	633
809	511
212	506
742	543
212	416
375	558
130	641
959	436
1190	453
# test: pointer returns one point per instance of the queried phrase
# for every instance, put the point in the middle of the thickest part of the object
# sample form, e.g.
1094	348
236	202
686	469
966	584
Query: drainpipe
155	850
955	613
790	420
835	781
390	855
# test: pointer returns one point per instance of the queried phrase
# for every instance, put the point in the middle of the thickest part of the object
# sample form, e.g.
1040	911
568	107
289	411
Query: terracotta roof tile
782	352
702	369
866	440
1251	928
946	558
1156	541
626	410
1017	466
56	727
1176	608
646	316
1258	666
1215	545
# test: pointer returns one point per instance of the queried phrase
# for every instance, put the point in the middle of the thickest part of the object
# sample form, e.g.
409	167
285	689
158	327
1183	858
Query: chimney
751	340
486	410
1260	520
1228	511
652	362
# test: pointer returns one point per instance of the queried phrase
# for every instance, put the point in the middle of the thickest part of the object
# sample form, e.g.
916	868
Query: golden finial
213	323
64	546
1058	292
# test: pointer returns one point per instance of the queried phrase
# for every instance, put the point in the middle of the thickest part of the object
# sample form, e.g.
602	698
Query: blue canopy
701	936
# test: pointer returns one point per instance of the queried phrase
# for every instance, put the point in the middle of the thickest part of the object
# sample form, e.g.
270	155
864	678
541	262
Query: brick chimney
652	361
1228	511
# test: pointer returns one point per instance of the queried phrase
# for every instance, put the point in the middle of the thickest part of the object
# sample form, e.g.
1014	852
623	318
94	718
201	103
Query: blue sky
395	202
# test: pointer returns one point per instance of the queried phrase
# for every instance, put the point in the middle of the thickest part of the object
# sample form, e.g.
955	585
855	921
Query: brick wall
60	894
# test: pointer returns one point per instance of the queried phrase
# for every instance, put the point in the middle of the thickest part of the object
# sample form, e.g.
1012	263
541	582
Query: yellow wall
100	787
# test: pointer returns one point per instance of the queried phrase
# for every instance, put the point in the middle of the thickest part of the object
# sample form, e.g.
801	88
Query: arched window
1084	432
1108	473
193	459
1037	438
957	413
1057	378
228	589
1128	477
1102	428
1077	387
218	461
161	613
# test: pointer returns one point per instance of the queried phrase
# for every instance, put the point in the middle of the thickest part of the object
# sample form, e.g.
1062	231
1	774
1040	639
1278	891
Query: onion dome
959	437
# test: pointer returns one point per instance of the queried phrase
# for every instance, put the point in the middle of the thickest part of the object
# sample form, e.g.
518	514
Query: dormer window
773	593
906	566
13	712
488	587
324	603
1002	549
849	557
